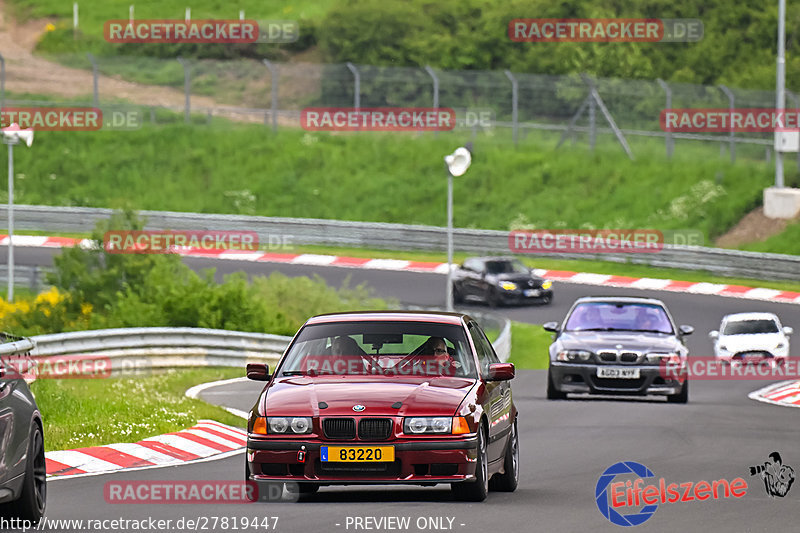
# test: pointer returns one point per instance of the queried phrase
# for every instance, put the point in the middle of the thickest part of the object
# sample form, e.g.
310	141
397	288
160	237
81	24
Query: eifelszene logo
613	498
778	477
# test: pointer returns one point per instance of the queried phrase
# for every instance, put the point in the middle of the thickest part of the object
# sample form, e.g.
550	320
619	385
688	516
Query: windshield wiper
654	331
293	373
602	329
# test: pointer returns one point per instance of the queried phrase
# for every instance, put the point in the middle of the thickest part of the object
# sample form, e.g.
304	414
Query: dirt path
28	73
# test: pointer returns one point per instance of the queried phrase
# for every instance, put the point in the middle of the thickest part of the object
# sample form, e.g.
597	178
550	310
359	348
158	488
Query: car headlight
419	425
662	357
574	355
508	286
299	425
546	284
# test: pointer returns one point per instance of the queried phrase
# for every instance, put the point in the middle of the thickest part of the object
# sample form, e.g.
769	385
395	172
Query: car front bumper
582	378
518	296
416	462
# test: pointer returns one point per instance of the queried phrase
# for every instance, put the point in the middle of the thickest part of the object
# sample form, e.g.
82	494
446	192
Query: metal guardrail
131	349
405	236
135	349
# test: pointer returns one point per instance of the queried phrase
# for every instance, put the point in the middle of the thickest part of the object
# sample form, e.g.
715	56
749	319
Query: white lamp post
13	135
457	164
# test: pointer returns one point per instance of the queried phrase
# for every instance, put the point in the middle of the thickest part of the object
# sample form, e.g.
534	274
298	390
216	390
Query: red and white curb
586	278
785	394
206	440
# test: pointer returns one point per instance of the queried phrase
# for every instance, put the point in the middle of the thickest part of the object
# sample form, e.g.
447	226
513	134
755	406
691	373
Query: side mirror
258	371
686	330
787	330
551	326
713	334
501	371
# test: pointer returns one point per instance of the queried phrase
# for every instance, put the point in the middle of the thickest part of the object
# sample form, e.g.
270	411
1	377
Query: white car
751	337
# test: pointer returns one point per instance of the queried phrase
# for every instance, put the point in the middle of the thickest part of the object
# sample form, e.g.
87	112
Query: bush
94	289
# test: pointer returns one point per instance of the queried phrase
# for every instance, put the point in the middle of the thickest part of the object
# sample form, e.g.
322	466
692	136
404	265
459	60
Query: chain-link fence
274	94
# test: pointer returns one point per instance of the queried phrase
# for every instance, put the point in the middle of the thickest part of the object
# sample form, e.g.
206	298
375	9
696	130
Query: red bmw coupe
386	398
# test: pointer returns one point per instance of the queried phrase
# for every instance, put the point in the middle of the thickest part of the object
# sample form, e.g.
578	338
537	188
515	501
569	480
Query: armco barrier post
2	81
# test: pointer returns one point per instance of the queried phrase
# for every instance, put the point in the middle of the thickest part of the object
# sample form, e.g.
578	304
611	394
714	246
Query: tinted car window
506	267
604	316
750	327
356	348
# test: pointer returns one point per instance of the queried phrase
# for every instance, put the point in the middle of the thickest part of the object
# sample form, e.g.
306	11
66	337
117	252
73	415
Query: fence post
130	15
241	14
793	96
187	83
95	93
357	85
514	105
75	20
2	81
435	79
592	123
188	15
273	74
731	100
668	140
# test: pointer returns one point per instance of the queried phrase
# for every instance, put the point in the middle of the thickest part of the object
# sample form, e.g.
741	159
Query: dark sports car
23	485
615	345
385	397
499	280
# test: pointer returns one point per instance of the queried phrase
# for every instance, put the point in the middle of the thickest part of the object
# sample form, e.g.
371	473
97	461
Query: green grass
92	412
94	13
786	242
388	178
529	344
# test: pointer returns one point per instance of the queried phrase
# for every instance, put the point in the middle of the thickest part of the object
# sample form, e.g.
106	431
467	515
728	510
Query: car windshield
506	267
608	316
750	327
380	348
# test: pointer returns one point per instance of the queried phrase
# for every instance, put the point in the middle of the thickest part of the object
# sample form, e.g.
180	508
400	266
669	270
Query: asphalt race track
565	445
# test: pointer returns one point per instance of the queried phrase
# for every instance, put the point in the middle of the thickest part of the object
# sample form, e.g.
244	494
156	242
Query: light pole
457	164
13	135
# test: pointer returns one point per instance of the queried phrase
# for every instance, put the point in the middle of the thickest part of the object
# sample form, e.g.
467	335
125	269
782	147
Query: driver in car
445	364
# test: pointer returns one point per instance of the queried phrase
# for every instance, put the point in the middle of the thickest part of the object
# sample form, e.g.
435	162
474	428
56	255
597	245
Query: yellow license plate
356	454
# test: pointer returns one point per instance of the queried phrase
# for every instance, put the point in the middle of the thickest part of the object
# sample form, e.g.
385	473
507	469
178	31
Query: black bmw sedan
499	280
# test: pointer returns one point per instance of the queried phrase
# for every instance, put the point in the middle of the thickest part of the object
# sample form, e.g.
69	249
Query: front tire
552	392
33	498
475	491
682	396
508	481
